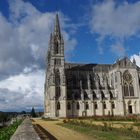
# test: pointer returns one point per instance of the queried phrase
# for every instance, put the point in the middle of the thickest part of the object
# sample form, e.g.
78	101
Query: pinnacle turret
134	61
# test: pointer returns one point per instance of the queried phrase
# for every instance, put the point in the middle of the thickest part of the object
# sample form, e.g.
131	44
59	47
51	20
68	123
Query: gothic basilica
82	90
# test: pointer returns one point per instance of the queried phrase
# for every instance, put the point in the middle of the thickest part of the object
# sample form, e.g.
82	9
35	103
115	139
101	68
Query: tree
23	112
4	117
33	114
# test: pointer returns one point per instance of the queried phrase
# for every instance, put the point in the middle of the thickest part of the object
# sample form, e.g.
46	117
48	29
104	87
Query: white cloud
116	21
24	41
22	91
137	58
24	37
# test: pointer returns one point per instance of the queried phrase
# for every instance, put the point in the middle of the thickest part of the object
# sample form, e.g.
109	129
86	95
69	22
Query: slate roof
88	67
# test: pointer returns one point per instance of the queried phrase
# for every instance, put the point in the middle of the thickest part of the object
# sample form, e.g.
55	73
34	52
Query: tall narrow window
58	92
57	62
115	76
131	89
104	105
112	80
113	105
57	77
74	82
84	82
85	96
58	106
77	106
56	48
57	84
69	95
111	95
126	91
68	106
95	105
87	106
92	82
94	95
102	95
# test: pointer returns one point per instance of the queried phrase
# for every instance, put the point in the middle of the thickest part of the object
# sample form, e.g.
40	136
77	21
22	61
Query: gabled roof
124	62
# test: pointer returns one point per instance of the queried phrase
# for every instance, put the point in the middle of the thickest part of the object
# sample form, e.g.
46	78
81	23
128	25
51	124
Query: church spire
57	26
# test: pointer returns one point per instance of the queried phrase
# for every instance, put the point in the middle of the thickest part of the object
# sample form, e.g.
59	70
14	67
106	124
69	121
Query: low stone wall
25	132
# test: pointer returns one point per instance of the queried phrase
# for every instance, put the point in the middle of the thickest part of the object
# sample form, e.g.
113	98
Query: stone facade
74	90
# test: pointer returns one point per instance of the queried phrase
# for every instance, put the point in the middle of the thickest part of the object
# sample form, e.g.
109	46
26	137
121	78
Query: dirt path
60	132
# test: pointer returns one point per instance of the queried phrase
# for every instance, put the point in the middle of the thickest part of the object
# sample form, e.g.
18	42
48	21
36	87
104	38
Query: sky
95	31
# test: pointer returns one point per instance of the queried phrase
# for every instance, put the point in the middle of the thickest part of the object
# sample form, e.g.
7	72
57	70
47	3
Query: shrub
64	121
7	132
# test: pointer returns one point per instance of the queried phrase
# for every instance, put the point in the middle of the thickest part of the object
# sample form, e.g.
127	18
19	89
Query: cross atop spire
57	26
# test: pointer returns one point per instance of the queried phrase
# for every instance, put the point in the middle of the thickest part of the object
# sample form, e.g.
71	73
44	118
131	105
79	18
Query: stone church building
76	90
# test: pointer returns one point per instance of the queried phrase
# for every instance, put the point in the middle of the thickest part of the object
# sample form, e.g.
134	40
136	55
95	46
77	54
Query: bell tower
55	84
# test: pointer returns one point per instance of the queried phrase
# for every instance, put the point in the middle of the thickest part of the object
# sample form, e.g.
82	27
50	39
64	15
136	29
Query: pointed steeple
57	26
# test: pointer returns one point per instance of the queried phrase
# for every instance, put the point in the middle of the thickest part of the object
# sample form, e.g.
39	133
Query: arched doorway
130	109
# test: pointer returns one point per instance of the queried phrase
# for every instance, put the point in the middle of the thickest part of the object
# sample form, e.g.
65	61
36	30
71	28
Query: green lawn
103	132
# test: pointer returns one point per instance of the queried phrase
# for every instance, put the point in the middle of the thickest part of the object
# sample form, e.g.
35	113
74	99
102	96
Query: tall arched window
85	96
94	95
126	89
84	82
115	76
58	92
56	48
58	106
112	105
131	89
78	106
102	95
69	81
95	105
112	80
69	95
128	86
104	105
111	95
57	77
92	82
86	105
74	82
68	106
57	84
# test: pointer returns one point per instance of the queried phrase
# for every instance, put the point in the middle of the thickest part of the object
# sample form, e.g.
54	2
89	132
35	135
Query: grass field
105	130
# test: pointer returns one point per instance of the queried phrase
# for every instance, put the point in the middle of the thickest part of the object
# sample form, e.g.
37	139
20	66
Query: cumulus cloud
24	40
22	91
24	37
137	58
116	21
